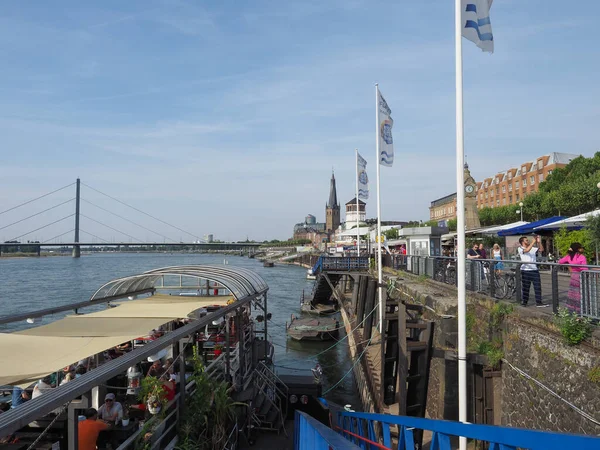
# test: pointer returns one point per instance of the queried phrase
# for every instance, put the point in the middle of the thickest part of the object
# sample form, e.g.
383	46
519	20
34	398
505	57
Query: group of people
530	274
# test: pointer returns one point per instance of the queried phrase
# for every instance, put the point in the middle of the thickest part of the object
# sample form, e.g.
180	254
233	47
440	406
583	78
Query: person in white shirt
111	411
529	271
42	386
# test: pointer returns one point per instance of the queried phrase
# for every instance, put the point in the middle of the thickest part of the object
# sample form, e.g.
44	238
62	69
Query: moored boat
313	329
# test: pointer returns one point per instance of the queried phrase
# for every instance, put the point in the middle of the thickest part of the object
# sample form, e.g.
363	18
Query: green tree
431	223
391	234
564	238
452	224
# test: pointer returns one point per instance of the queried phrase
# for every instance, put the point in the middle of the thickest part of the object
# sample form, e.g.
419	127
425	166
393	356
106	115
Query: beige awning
39	351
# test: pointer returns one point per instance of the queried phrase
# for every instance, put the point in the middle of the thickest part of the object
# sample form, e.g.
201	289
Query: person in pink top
574	257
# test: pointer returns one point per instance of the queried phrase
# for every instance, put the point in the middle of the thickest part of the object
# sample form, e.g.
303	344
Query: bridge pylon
76	248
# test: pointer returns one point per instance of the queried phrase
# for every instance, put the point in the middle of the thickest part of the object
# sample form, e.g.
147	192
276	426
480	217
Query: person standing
575	257
497	255
529	271
482	252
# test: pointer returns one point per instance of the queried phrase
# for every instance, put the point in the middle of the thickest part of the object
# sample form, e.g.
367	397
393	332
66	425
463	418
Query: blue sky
227	117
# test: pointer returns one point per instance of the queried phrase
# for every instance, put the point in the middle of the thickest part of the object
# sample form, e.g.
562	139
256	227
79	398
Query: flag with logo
363	179
386	143
476	25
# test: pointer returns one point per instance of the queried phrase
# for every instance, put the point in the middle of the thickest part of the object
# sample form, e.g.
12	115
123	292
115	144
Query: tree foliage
391	234
452	224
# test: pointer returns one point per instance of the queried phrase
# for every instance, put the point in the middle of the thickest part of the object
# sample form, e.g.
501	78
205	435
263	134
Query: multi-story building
443	208
510	187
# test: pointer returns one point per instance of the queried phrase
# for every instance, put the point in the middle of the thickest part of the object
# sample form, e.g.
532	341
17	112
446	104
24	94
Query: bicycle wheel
511	286
499	288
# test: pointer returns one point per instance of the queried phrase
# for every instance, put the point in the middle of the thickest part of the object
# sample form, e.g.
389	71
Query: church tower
332	209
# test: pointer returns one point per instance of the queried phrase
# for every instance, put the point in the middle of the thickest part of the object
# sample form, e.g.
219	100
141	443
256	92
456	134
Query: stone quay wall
542	383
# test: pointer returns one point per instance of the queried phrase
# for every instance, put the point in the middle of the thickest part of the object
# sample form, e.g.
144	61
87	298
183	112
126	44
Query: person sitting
42	386
19	396
156	369
69	375
80	371
89	429
111	411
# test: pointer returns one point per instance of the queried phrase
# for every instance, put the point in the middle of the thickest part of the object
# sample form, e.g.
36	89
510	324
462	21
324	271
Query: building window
541	177
510	188
549	172
503	189
497	191
532	179
524	181
509	175
517	198
486	195
540	164
510	199
498	202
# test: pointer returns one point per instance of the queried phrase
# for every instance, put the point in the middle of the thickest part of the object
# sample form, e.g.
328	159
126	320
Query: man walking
529	270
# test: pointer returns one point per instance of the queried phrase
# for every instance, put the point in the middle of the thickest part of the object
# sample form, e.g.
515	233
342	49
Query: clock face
469	188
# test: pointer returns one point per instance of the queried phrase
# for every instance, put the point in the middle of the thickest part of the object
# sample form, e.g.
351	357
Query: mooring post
76	248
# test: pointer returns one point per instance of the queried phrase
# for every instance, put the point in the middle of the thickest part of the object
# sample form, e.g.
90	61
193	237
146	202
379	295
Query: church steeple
333	202
332	209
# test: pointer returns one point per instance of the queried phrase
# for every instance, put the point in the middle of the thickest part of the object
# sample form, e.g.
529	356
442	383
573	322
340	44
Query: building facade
443	208
512	186
332	209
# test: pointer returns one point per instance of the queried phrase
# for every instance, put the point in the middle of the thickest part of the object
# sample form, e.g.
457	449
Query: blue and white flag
363	179
476	25
386	143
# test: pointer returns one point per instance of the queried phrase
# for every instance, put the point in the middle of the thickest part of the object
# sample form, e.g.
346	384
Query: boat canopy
39	351
240	282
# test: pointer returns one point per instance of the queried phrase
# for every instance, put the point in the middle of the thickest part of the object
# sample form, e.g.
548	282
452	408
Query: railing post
554	276
518	284
492	278
76	248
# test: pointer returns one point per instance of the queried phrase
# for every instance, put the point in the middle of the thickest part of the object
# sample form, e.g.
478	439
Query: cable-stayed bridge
74	218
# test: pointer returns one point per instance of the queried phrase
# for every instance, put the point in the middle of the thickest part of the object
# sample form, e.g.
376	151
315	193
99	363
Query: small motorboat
313	329
268	264
310	275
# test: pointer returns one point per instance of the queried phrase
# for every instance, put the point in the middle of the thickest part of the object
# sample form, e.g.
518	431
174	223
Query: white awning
38	351
575	221
496	228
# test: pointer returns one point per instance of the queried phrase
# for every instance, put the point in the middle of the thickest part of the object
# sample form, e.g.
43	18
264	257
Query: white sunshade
578	220
496	228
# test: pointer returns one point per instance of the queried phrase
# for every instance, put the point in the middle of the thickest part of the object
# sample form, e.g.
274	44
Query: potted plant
218	350
153	394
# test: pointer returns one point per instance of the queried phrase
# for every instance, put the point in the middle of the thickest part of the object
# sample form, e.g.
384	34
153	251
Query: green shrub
594	375
573	328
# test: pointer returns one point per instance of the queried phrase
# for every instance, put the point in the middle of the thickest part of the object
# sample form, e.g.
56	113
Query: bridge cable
145	213
108	226
36	214
37	198
93	235
37	229
127	220
55	237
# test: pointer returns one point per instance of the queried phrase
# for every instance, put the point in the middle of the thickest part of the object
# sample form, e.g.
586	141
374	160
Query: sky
228	117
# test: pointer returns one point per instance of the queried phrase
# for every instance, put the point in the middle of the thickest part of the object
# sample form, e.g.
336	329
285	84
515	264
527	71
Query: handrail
317	267
505	437
310	434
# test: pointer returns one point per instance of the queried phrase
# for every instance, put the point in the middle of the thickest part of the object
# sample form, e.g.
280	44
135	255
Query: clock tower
471	214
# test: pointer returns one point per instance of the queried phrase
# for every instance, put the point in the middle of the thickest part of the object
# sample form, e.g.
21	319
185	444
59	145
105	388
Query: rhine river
34	283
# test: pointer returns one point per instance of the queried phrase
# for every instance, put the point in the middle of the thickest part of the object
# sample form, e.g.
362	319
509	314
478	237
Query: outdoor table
117	434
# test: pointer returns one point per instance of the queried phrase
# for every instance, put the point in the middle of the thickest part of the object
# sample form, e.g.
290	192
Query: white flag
363	179
476	25
386	143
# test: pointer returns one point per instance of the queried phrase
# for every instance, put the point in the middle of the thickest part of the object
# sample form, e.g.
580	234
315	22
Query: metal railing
310	434
359	429
552	284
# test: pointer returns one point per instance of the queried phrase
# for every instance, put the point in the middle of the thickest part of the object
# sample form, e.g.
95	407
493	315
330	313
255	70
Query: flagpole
357	208
378	238
460	227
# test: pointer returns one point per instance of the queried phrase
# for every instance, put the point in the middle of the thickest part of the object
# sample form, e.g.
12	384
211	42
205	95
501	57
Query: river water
29	284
